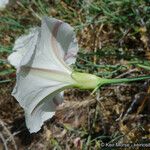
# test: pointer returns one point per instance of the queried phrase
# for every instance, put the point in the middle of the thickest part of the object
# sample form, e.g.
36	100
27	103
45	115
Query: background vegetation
114	39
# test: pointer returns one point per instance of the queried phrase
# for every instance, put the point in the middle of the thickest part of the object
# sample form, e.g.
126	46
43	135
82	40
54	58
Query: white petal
48	51
63	41
37	82
70	56
37	95
15	59
30	89
43	112
24	45
44	56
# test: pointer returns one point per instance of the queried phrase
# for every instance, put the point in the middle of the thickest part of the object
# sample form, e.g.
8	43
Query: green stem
143	66
125	80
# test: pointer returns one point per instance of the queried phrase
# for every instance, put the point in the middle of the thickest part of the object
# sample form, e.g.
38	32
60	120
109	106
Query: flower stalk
125	80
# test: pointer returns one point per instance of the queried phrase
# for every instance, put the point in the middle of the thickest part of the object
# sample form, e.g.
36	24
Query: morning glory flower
42	60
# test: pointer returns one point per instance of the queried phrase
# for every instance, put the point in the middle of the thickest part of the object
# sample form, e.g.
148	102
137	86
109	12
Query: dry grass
109	35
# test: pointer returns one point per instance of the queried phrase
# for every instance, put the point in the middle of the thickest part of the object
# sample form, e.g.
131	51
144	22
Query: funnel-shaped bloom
42	59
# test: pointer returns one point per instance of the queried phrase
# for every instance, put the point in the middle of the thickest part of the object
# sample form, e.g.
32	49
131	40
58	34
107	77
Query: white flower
42	60
3	3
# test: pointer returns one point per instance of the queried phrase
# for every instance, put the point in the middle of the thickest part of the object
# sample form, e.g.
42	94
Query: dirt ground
113	114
